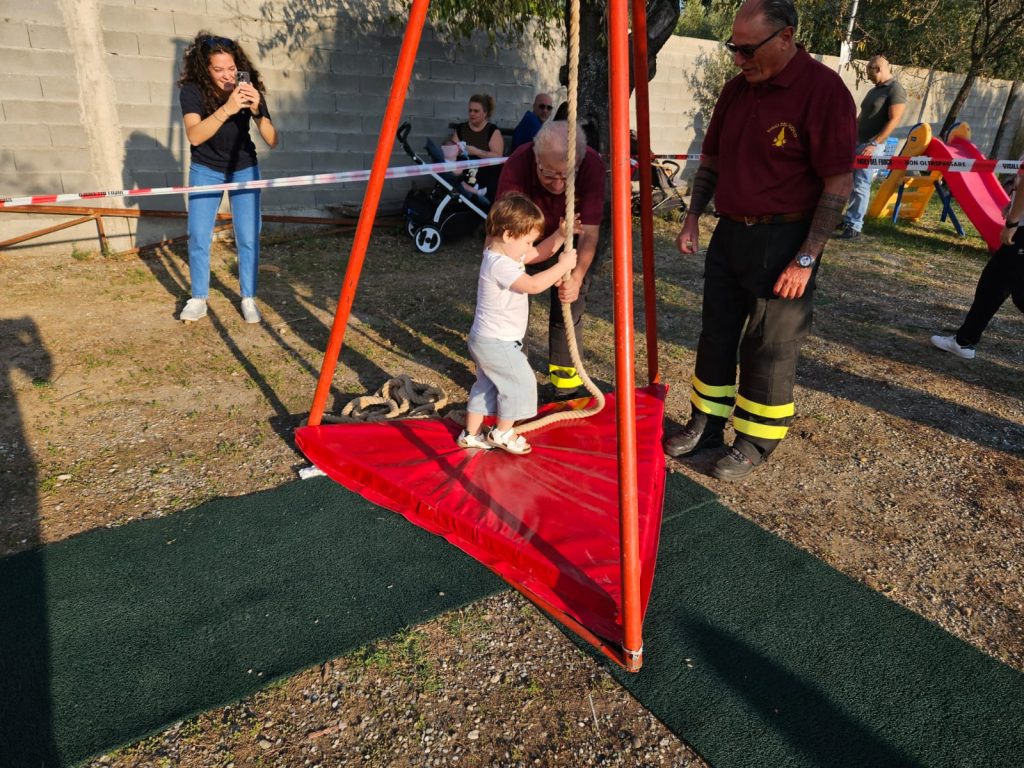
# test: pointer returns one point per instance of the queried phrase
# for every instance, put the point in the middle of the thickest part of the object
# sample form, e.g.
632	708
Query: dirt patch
903	469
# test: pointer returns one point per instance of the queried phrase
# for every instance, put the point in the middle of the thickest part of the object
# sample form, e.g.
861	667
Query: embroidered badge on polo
780	133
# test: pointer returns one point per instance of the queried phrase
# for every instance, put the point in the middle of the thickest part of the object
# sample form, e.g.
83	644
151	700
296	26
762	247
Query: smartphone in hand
243	77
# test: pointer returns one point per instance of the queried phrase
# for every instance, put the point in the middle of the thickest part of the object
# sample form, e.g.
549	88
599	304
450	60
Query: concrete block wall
327	81
89	101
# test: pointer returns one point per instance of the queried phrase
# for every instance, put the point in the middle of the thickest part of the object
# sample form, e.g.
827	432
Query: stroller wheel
428	239
410	228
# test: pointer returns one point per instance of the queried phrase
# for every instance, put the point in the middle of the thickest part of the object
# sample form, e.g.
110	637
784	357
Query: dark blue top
526	129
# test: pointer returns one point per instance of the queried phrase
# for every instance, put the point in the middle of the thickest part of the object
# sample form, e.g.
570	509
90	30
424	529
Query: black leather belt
771	218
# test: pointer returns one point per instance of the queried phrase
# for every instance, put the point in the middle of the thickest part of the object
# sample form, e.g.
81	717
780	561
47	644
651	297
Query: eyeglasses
545	107
748	51
552	174
224	42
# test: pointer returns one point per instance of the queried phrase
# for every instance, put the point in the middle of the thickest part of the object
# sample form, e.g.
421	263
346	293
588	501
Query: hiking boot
694	437
734	466
848	233
479	440
194	309
509	441
249	312
950	344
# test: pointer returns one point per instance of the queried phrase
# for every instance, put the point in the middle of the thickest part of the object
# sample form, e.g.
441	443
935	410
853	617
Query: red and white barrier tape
952	165
398	172
895	163
898	163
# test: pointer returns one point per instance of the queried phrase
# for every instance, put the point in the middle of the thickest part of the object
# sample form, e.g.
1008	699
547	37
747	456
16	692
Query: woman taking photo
221	94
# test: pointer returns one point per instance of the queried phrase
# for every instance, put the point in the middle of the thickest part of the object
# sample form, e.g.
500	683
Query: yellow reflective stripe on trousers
765	431
767	411
710	406
564	377
707	390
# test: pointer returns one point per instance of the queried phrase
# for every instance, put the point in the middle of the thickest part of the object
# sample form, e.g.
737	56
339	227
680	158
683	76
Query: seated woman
479	138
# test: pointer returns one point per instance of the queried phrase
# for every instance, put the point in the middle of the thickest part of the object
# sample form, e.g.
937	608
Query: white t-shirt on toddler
501	313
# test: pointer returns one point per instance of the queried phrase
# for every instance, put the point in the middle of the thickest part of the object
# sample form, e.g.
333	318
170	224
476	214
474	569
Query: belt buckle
750	220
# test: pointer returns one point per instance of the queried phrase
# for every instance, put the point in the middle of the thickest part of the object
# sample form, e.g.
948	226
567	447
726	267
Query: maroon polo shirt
775	141
519	174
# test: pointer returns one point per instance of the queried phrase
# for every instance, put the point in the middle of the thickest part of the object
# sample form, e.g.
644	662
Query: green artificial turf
115	634
756	653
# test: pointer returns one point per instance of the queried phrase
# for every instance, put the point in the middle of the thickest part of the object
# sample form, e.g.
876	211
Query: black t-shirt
230	148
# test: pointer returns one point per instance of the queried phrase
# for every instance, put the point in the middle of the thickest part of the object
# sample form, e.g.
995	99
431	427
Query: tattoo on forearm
826	218
704	184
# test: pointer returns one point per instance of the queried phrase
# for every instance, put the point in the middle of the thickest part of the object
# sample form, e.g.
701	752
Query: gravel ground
903	470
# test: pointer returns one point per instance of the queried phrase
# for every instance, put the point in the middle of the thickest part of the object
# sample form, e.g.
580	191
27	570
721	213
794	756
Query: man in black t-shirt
880	113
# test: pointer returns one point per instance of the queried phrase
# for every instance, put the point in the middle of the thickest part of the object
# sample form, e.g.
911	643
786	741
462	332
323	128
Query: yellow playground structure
917	190
905	195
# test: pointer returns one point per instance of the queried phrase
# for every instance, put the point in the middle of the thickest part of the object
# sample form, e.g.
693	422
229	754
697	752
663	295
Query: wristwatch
805	260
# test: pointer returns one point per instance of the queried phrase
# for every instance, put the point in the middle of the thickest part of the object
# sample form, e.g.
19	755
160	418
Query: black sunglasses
224	42
748	51
544	106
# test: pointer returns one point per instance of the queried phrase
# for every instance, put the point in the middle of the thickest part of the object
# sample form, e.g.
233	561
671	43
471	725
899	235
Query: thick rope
400	397
570	217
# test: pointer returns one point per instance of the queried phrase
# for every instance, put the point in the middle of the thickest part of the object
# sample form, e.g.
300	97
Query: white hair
552	140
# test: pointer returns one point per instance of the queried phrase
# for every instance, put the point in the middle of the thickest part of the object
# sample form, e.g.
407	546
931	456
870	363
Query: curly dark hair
196	62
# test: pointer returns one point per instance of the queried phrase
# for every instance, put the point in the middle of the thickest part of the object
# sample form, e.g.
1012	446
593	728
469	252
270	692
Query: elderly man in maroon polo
778	159
538	170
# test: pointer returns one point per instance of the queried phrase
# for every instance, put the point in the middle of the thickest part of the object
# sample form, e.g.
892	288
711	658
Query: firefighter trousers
743	322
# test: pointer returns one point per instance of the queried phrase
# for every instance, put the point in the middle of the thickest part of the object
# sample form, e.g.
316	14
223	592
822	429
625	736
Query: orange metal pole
371	199
622	270
643	135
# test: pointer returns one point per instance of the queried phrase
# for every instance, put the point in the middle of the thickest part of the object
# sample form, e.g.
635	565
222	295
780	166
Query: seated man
532	120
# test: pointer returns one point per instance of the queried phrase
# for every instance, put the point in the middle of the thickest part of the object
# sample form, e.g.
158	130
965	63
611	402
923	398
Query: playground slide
978	194
916	199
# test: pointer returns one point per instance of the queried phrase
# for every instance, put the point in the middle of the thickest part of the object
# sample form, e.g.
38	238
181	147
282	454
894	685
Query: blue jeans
861	194
202	214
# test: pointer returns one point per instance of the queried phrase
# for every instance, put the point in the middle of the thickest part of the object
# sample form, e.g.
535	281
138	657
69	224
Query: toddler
505	384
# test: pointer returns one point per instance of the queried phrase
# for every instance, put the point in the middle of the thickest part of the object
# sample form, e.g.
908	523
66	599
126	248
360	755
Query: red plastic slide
978	194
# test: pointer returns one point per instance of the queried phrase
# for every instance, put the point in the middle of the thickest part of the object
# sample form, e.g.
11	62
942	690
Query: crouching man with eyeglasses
538	170
778	158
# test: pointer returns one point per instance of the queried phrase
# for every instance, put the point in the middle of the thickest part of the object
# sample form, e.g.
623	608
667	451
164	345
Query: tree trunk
1004	121
961	97
592	107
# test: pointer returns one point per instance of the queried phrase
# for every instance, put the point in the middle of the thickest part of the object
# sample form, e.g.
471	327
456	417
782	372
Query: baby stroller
666	196
445	212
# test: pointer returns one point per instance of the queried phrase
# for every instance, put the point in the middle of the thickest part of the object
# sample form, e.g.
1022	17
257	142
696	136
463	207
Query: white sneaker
194	309
467	440
249	311
949	344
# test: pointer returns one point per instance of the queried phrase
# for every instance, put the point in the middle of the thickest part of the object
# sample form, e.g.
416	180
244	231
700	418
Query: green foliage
951	35
709	73
707	22
507	20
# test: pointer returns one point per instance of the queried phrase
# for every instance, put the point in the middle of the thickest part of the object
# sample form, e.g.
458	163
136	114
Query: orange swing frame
630	655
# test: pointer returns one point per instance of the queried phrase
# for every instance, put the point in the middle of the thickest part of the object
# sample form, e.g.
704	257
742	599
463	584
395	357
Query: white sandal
509	441
467	440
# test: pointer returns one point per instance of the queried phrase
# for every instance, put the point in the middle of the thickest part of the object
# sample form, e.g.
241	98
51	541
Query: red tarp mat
547	521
